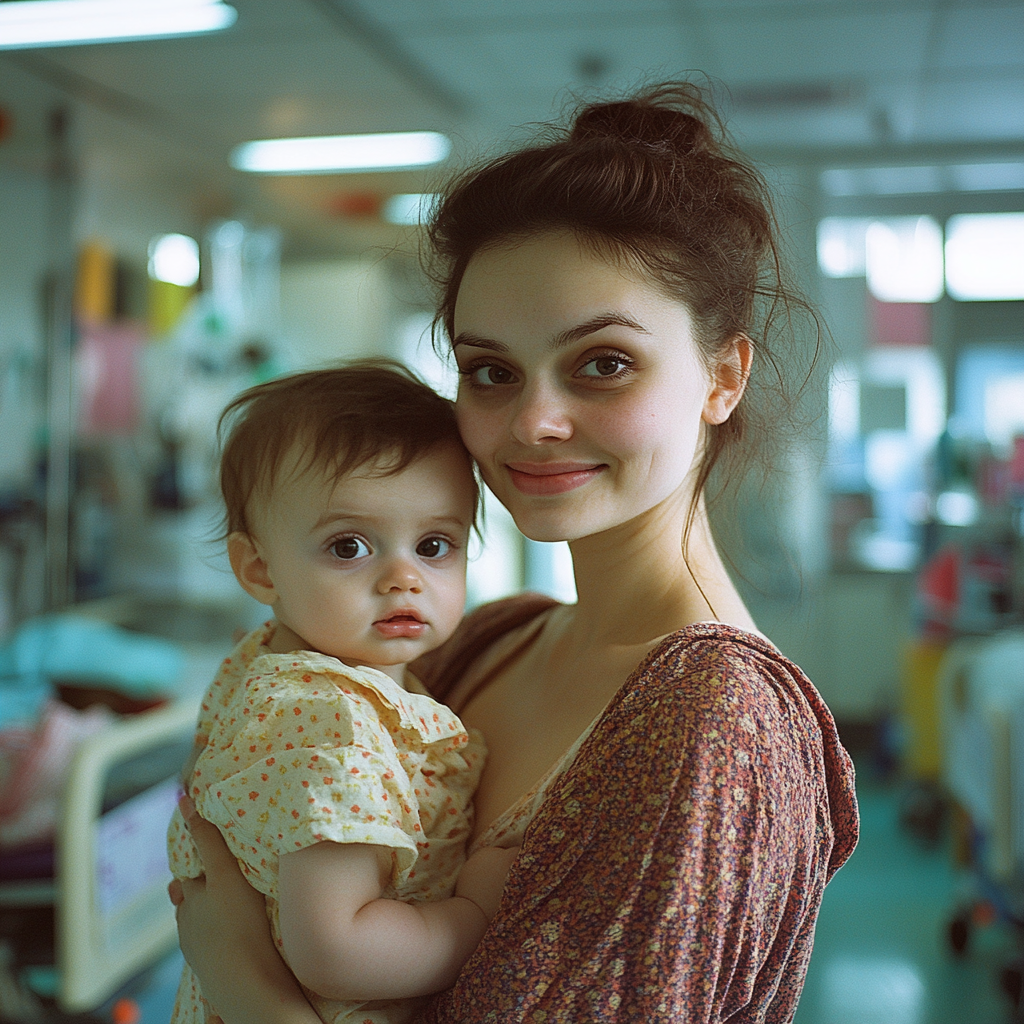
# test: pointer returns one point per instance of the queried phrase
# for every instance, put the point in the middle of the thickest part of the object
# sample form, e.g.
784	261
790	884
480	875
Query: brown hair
653	179
345	417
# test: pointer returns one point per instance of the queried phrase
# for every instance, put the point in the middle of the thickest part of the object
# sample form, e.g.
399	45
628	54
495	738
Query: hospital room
807	517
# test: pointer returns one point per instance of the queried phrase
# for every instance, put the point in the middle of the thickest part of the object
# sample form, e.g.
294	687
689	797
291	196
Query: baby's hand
482	877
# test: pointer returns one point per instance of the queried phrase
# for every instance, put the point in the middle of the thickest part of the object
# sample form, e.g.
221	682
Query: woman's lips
551	477
400	624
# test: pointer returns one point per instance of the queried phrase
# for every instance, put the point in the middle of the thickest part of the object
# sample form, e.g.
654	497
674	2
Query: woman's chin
550	528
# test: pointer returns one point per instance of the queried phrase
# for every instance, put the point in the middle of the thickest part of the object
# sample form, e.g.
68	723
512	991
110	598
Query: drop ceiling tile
792	129
972	110
813	42
472	15
982	37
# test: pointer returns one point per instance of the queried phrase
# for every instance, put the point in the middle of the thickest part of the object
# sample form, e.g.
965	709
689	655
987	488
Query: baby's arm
343	941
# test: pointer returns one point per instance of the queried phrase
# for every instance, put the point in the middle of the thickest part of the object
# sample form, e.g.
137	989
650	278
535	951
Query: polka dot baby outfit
299	748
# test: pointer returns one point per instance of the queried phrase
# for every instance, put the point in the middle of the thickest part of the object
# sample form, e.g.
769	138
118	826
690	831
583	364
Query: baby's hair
368	411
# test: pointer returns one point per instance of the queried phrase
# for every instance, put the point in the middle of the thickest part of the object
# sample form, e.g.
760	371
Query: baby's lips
402	615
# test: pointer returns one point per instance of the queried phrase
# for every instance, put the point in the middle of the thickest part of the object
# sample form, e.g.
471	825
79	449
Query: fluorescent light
409	208
956	508
28	23
1004	410
841	246
339	154
985	256
904	259
174	259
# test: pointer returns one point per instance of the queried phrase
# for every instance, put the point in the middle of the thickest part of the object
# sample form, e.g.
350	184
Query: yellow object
95	283
923	751
166	304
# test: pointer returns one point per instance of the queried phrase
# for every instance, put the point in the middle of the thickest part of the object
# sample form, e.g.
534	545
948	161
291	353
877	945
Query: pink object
1017	466
899	323
37	761
108	378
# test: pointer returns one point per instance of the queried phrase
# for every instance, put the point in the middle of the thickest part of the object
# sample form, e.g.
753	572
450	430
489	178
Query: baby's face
371	569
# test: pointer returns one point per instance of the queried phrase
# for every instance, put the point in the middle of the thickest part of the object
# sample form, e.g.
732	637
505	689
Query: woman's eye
433	547
350	547
489	374
603	366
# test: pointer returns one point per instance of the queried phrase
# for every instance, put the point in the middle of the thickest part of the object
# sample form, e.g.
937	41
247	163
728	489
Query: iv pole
59	329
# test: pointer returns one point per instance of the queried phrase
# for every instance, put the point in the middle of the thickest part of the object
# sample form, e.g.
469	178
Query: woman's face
581	395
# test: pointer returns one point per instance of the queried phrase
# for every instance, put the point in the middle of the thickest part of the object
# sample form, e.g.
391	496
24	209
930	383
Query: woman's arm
225	936
344	942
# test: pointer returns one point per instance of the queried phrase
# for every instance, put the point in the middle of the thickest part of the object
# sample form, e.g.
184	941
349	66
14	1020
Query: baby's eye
482	375
603	366
350	547
433	547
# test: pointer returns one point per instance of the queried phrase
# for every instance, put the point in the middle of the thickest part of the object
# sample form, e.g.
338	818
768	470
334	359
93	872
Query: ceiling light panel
34	23
903	259
985	257
341	154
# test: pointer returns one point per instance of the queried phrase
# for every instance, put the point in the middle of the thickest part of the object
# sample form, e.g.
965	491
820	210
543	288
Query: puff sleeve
313	759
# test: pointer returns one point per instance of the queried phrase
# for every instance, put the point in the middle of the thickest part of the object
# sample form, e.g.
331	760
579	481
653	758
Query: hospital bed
112	918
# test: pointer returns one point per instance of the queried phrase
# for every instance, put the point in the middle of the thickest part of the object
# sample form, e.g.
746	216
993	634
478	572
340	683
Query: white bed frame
113	915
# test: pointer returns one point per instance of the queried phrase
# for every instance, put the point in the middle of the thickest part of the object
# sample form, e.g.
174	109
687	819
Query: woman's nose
399	574
540	415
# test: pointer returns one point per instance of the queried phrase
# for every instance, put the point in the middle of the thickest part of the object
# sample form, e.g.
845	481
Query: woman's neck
635	584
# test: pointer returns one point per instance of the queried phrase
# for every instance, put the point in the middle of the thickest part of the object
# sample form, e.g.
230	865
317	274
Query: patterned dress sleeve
312	761
231	672
675	870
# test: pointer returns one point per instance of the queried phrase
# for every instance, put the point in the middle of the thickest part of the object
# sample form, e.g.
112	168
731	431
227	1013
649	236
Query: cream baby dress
300	748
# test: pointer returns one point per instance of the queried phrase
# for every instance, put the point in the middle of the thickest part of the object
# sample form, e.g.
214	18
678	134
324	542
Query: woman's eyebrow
566	337
465	338
595	324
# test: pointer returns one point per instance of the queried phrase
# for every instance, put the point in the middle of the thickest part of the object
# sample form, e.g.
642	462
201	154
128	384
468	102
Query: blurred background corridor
153	264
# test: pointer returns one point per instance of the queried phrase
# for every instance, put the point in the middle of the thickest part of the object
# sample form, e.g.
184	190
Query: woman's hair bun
669	118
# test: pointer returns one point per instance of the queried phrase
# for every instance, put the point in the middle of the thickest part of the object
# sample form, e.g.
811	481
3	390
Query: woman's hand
482	877
225	936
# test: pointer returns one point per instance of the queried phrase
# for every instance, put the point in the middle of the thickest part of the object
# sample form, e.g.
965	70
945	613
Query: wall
337	309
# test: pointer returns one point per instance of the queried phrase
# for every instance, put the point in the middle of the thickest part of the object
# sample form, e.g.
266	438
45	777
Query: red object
6	124
939	586
125	1011
356	204
984	914
899	324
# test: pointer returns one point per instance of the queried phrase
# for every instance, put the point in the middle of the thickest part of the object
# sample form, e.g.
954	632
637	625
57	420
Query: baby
342	788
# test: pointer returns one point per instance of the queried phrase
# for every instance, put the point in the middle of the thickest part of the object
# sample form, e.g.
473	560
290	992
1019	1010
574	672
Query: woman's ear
729	380
250	568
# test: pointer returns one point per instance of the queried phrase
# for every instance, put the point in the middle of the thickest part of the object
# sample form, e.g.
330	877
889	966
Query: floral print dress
673	862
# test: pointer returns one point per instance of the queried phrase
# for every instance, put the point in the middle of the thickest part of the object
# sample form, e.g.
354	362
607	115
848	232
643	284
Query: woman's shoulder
718	661
711	695
712	678
442	668
710	675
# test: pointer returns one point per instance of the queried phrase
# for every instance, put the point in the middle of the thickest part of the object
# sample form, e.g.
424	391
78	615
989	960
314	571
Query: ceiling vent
794	95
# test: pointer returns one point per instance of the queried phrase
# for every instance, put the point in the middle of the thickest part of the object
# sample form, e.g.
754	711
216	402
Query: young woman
614	300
